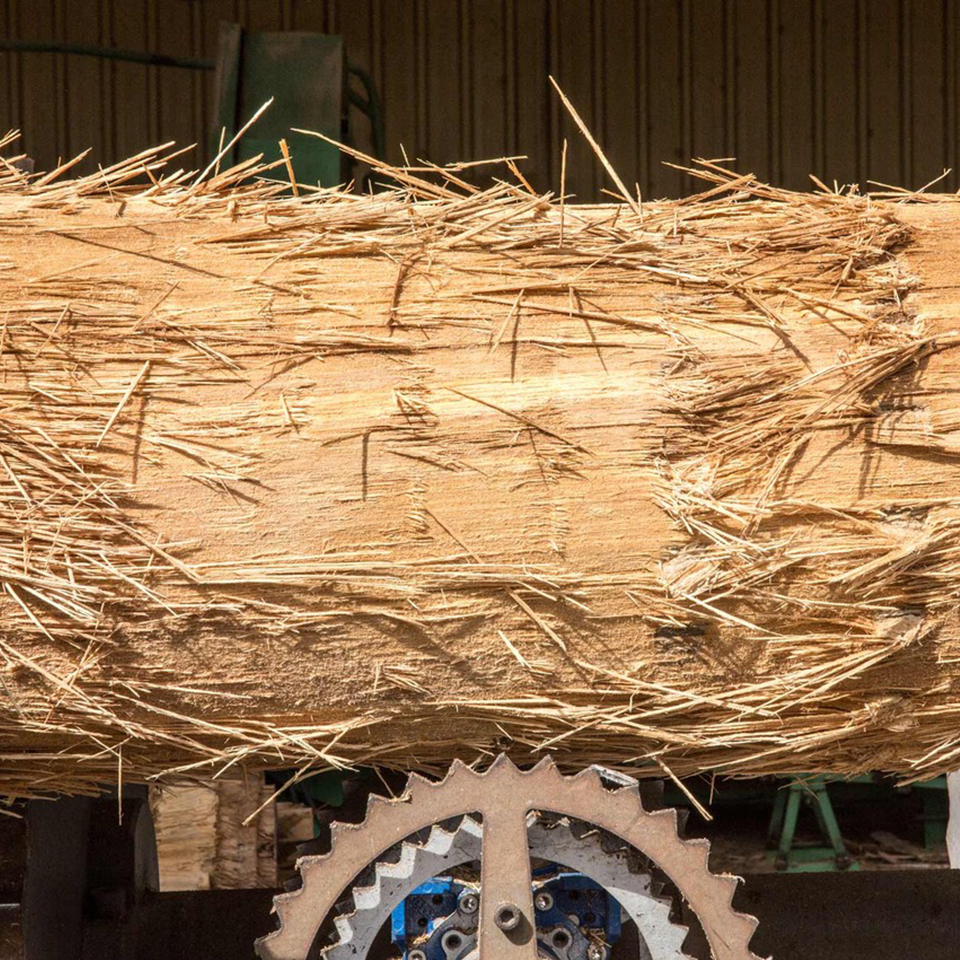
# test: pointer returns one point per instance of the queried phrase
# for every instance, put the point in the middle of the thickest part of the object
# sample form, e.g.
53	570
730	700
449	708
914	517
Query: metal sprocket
583	850
503	796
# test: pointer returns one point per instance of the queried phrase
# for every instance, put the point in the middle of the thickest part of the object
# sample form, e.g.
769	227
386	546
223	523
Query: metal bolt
507	916
543	901
469	902
416	955
596	952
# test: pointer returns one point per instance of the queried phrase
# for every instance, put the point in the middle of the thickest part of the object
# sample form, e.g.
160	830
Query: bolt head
596	952
469	902
543	901
507	916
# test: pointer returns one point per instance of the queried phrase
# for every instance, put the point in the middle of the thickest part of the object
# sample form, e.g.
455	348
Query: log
318	480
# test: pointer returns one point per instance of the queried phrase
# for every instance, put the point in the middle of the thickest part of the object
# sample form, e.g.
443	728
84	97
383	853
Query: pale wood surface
402	483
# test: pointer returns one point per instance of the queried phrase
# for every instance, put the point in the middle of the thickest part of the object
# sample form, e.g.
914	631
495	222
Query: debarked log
299	481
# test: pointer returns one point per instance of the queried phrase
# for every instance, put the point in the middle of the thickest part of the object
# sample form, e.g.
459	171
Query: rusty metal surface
503	795
615	867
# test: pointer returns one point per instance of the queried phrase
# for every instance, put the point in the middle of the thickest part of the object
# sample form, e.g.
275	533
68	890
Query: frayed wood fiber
317	480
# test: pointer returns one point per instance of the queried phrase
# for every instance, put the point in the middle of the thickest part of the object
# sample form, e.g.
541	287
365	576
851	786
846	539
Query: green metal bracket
813	792
308	76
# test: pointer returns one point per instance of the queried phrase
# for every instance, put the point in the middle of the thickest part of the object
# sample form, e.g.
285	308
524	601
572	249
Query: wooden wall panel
573	65
852	90
925	140
709	99
486	121
751	87
398	79
441	51
622	86
842	106
665	98
796	158
885	100
527	100
134	26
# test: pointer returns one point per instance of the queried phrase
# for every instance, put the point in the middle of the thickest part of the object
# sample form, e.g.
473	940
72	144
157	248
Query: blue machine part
573	895
429	905
577	895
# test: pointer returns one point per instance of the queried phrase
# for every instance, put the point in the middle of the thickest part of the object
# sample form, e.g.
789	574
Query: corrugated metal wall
848	89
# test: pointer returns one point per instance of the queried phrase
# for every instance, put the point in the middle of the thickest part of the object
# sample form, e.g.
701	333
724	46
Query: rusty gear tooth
416	783
545	765
339	830
458	768
731	880
502	762
668	814
587	774
375	800
460	771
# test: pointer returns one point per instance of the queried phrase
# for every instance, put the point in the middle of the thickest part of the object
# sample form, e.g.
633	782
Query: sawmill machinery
593	864
508	864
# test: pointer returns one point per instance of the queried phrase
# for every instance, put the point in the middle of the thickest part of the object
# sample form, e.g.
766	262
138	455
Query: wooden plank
797	73
487	71
532	100
360	522
132	80
399	79
621	78
884	104
708	94
925	140
840	82
664	130
175	89
440	61
752	129
39	75
574	73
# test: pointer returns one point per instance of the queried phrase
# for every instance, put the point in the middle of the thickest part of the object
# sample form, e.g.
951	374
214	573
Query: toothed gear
504	796
585	850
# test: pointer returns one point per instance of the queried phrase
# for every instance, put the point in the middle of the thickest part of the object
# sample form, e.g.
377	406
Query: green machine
308	77
832	855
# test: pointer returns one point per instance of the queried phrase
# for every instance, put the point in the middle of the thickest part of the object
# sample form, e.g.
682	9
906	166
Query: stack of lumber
216	836
306	478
